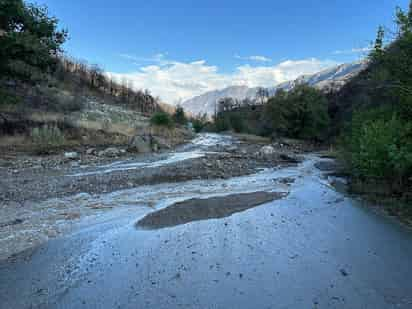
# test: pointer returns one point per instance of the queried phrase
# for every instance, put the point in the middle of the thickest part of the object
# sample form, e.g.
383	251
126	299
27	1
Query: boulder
110	152
289	158
160	142
71	155
140	144
91	151
267	150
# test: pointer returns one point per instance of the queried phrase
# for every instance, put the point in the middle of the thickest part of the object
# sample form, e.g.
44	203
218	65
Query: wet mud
203	209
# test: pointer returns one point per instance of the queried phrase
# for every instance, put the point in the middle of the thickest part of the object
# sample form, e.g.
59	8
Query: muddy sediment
42	198
38	182
203	209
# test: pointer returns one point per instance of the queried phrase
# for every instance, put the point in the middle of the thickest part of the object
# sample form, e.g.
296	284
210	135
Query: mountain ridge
330	79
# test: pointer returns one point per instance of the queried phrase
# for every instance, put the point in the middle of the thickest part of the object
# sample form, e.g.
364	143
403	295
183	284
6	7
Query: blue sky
179	49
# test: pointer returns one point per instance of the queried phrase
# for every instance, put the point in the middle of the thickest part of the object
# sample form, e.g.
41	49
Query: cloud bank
254	58
353	51
174	81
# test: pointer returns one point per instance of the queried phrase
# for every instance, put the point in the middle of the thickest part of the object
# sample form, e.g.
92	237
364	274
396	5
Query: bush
300	113
47	137
199	122
179	116
161	119
222	123
379	146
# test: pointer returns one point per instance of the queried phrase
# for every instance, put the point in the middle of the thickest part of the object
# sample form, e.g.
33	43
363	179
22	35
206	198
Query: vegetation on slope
299	113
377	144
36	76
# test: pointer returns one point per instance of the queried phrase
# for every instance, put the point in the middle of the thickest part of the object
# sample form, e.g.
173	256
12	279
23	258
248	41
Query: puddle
202	209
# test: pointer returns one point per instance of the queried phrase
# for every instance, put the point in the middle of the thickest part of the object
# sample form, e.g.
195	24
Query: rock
91	151
140	144
75	164
231	149
13	222
71	155
160	142
155	147
109	152
289	158
327	166
344	272
286	180
267	150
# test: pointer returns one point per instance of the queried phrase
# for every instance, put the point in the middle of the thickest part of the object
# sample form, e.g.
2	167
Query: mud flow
203	209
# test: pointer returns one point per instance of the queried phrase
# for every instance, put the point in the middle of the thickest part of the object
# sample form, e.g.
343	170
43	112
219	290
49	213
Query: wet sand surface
294	241
203	209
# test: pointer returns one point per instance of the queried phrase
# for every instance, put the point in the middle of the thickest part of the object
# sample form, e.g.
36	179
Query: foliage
392	65
199	122
222	122
230	120
179	116
29	40
379	145
300	113
161	119
47	136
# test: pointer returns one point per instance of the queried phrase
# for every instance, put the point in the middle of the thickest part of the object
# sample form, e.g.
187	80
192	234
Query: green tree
179	116
199	122
161	119
29	40
391	68
300	113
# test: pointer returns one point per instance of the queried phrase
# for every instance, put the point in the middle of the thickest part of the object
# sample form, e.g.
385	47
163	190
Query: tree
300	113
161	119
392	69
199	122
262	94
179	116
29	40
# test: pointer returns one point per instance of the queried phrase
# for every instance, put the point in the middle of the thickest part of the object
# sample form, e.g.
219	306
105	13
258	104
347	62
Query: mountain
206	102
329	79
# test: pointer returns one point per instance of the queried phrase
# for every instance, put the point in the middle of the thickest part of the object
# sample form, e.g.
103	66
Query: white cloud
254	58
352	51
173	80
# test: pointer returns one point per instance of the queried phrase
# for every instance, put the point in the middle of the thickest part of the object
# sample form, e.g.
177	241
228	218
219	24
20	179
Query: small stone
344	272
71	155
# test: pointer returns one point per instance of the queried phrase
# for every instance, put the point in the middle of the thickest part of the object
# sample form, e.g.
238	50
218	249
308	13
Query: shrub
199	122
222	123
161	119
300	113
379	146
179	116
47	137
237	122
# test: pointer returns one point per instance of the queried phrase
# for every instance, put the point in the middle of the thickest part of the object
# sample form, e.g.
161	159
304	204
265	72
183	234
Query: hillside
50	101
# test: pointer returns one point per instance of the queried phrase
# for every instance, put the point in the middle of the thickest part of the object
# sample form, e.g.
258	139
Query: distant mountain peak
329	79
